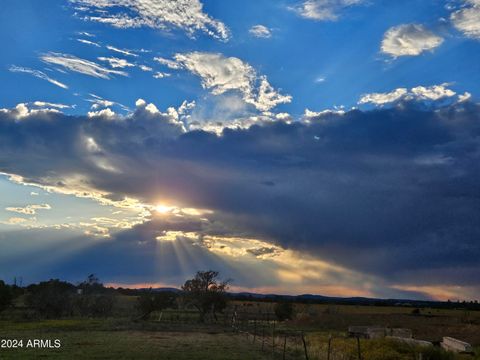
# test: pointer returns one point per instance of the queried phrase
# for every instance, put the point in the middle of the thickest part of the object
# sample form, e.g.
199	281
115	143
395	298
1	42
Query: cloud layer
374	192
418	93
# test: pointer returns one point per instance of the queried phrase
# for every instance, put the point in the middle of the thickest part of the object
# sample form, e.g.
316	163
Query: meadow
178	334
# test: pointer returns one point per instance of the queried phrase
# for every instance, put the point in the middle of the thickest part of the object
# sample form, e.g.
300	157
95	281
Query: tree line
205	292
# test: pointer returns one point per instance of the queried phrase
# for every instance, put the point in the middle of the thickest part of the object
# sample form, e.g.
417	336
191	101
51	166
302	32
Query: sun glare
164	209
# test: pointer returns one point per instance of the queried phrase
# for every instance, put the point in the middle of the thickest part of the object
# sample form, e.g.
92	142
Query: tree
5	296
206	292
149	302
94	299
51	298
91	285
283	310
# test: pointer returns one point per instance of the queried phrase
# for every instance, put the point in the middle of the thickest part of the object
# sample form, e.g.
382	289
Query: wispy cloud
161	75
85	33
88	42
116	62
38	74
187	15
29	209
51	105
98	103
79	65
171	64
122	51
145	68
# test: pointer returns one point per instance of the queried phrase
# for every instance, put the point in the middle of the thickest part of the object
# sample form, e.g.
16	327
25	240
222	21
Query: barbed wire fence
268	335
263	331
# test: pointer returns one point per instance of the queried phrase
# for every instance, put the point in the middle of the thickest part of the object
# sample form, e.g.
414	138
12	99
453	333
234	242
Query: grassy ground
179	336
111	339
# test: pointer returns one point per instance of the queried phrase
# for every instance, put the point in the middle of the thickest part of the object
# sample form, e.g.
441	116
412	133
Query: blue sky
146	119
321	64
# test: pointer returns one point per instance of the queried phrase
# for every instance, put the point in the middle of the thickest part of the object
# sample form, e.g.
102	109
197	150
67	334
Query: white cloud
29	209
435	92
324	10
84	33
409	40
465	97
88	42
105	113
383	98
15	221
79	65
419	93
122	51
38	74
22	111
220	74
260	31
171	64
467	20
267	97
52	105
145	68
116	62
161	75
98	102
158	14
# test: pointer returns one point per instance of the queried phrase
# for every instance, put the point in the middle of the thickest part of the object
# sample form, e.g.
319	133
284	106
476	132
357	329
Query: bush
5	296
51	298
149	302
283	311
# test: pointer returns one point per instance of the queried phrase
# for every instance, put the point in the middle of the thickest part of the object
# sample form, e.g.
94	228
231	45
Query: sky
297	146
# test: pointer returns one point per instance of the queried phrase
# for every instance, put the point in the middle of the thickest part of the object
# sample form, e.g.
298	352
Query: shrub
5	296
51	298
149	302
283	310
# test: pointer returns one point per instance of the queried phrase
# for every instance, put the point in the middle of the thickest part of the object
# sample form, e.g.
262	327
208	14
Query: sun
164	209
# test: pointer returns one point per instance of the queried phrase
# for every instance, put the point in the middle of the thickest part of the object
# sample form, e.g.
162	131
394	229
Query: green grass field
179	335
115	339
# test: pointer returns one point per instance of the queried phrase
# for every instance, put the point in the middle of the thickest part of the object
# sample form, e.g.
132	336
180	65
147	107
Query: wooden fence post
284	347
329	346
263	334
273	340
254	329
304	346
358	348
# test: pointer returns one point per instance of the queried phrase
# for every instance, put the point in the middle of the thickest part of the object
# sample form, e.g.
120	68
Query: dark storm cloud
391	192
